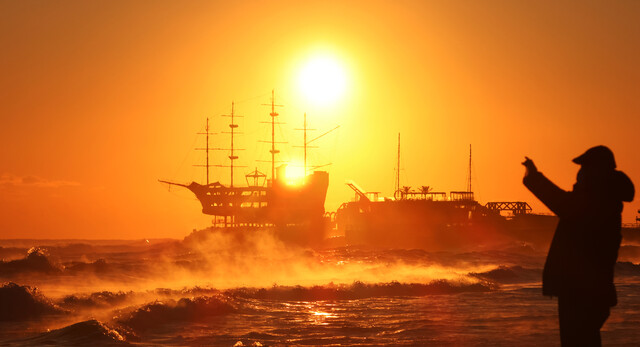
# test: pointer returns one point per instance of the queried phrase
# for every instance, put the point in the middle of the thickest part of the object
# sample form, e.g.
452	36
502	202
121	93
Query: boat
411	218
293	210
438	221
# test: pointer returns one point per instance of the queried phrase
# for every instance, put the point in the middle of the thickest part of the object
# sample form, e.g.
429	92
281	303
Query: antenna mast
398	169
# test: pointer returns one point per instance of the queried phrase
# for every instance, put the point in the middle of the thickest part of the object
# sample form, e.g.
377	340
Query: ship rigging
265	200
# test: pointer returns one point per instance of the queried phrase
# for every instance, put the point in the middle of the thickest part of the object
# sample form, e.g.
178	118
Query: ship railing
373	196
425	194
461	196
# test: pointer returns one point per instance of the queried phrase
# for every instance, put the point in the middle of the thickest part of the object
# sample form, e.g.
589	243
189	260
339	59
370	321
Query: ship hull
308	235
438	225
280	204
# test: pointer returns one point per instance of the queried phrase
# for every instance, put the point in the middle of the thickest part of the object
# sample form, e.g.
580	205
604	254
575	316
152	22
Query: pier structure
516	207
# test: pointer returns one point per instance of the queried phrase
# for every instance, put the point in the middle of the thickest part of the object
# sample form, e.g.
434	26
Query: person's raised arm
555	198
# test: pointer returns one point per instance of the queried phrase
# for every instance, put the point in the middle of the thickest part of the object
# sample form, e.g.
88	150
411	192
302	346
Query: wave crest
510	274
626	268
90	332
183	310
24	302
359	290
97	299
36	260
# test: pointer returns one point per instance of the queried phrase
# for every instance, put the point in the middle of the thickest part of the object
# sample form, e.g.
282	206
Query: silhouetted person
584	249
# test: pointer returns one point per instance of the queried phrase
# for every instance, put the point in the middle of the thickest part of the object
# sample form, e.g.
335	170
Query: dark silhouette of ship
277	203
412	218
295	212
422	218
438	221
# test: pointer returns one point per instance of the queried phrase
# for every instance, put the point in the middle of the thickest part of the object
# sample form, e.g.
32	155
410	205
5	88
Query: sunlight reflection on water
398	304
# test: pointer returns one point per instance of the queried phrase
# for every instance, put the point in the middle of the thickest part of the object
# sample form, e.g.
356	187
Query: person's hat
600	156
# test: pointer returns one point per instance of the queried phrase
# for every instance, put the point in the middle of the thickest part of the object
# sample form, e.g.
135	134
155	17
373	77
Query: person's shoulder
623	186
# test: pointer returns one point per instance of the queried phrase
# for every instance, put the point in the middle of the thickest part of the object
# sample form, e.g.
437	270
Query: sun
322	80
294	173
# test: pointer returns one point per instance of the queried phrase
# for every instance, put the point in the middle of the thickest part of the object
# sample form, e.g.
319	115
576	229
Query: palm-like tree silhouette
425	190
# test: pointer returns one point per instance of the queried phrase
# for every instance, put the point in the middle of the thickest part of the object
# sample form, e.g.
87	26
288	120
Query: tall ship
293	210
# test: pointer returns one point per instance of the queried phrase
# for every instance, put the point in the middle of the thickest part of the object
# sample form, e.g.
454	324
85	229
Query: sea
225	289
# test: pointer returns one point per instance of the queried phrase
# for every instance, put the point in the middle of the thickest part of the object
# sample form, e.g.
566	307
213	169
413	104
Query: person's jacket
584	249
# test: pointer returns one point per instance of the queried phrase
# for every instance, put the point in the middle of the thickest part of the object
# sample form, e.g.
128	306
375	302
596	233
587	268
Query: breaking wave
38	260
510	274
629	253
518	274
90	332
359	290
98	266
183	310
108	299
626	268
24	302
11	253
35	261
98	299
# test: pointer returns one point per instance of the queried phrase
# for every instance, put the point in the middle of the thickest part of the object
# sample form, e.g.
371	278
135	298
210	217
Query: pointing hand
531	167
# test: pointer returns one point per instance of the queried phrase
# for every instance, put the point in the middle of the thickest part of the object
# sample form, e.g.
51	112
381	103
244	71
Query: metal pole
305	144
207	150
273	137
232	157
469	187
398	169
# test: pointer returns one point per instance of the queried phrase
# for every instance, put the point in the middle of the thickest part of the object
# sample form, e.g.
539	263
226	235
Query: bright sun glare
322	80
294	173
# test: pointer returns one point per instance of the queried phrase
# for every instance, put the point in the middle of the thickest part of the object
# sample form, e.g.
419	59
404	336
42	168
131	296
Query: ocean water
226	290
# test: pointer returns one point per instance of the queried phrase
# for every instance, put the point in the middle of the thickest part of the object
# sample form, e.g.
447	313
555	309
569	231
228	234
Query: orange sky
99	99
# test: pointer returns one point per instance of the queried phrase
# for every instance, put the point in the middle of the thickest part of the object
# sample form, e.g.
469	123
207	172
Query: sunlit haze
100	99
319	172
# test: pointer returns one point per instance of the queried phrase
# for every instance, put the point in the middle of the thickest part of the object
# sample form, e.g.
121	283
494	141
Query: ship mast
306	146
206	149
232	155
398	169
273	150
469	183
273	142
